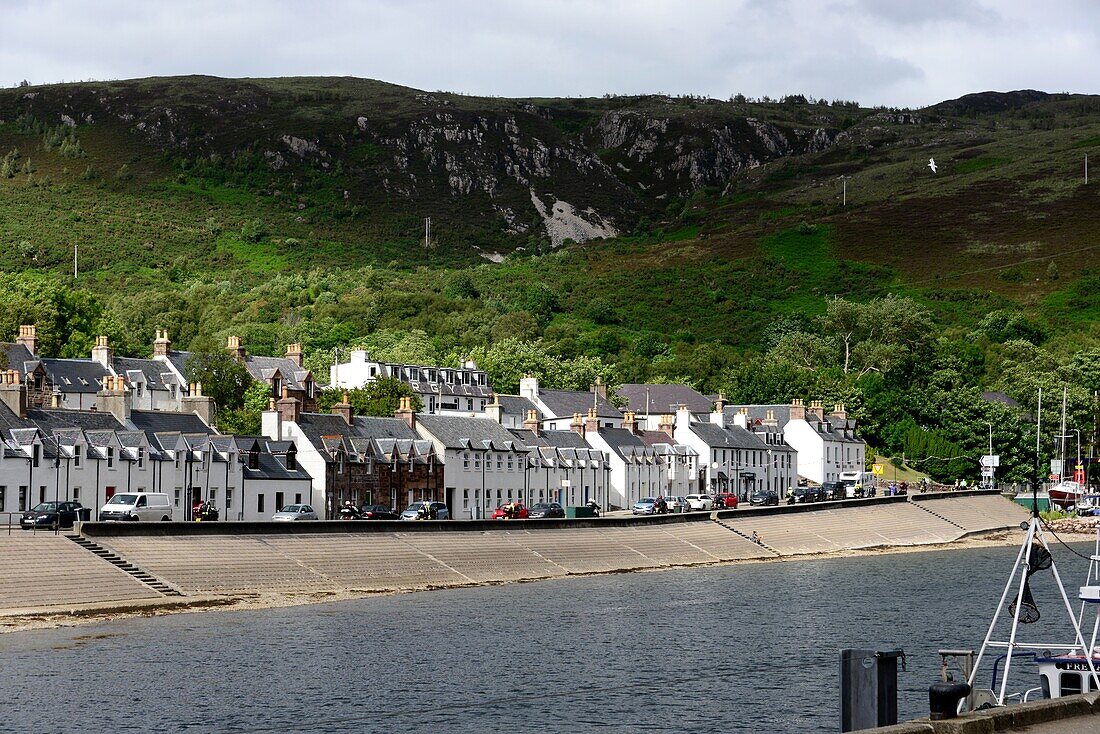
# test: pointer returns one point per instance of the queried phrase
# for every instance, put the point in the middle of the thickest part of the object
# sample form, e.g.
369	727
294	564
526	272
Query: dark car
814	494
763	497
51	515
545	510
799	495
378	512
833	490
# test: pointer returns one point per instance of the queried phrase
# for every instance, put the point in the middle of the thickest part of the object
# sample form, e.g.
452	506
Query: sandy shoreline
250	602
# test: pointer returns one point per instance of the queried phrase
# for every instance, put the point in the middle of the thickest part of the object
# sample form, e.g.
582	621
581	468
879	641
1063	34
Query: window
228	497
76	495
469	404
253	460
259	503
297	498
292	460
500	462
36	451
22	499
3	496
139	387
477	461
465	461
1070	683
278	501
510	462
213	494
465	499
42	493
141	457
177	454
111	457
76	455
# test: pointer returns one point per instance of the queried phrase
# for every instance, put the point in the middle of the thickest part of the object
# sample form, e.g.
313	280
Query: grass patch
980	164
1088	142
260	257
806	248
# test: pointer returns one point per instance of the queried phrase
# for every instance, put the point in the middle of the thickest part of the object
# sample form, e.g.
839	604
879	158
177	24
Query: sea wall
243	558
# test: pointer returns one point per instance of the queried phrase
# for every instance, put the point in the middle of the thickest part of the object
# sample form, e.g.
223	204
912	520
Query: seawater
750	648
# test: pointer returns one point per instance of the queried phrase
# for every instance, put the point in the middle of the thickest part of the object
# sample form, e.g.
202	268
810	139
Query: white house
443	390
826	444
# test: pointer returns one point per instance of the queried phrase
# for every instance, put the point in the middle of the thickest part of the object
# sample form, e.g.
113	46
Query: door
110	493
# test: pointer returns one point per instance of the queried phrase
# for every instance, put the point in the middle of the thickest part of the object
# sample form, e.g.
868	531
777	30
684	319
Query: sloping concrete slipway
172	563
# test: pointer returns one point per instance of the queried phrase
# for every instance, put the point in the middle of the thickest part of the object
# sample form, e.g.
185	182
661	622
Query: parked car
814	494
764	497
833	490
377	512
425	510
677	504
53	515
644	506
292	513
725	501
546	510
511	511
700	501
134	506
802	495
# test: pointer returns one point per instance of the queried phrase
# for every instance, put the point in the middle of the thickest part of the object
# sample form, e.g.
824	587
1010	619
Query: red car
511	511
725	501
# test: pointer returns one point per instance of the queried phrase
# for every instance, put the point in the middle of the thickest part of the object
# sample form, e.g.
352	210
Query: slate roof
564	403
663	399
50	420
14	356
552	439
458	432
316	426
75	375
263	368
270	459
154	371
732	437
782	413
159	421
179	360
516	405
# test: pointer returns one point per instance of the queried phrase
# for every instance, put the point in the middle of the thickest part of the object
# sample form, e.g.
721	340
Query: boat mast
1062	466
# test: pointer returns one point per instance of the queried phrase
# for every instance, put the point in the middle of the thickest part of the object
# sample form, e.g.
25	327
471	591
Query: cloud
879	52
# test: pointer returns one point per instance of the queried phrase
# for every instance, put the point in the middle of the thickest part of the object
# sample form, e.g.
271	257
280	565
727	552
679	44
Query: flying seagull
932	164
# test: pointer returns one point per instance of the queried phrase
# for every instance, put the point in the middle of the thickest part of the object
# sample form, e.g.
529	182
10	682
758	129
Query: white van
133	506
850	479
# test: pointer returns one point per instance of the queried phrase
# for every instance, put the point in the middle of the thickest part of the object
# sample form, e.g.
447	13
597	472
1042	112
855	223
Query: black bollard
943	699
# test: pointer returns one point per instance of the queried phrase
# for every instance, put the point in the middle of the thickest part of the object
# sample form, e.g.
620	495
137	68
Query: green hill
655	237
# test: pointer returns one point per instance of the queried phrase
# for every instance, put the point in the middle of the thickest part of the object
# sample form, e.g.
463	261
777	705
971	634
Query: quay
137	567
1069	715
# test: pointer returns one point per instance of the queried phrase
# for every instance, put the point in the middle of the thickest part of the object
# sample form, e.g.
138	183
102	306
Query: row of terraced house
85	429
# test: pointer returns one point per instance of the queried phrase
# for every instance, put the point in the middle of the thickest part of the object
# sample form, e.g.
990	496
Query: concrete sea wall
397	556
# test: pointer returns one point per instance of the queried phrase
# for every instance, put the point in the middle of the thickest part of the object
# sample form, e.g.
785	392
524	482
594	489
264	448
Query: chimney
343	409
599	388
115	399
718	416
529	387
798	410
816	411
28	337
769	420
667	425
271	421
494	411
630	422
592	421
289	408
101	352
161	345
199	404
839	412
683	417
577	425
720	403
742	418
405	412
235	348
294	353
13	391
55	399
531	422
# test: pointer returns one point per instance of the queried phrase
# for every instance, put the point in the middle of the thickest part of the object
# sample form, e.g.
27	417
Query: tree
380	397
246	420
223	378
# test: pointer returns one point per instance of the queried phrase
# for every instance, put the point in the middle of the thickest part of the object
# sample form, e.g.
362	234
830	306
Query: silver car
295	512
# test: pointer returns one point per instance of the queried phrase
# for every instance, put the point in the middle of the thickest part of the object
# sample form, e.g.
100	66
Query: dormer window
277	387
292	460
76	455
253	460
110	457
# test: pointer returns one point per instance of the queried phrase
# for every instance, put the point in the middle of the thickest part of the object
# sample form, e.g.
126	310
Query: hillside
670	237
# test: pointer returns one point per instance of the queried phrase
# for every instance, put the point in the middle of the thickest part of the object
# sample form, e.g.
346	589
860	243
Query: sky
905	53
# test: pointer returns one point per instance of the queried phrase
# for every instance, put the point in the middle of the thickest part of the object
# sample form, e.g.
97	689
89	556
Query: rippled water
737	648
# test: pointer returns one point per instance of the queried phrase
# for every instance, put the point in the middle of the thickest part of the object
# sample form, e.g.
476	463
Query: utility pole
427	233
1086	169
75	246
844	194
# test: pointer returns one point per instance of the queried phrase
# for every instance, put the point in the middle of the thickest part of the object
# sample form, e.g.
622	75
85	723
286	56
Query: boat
1039	499
1066	494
